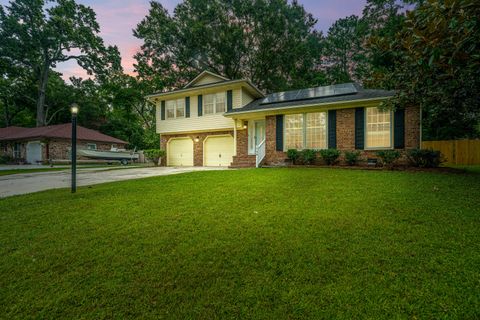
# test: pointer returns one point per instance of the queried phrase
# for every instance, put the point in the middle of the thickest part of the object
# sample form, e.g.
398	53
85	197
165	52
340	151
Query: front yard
252	244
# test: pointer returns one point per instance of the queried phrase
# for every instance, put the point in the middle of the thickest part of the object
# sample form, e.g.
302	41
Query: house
41	144
215	121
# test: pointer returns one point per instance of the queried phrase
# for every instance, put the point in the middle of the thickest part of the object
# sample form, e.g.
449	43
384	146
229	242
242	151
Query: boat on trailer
124	156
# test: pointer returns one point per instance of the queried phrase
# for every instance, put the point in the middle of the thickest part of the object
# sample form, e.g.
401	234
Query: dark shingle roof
63	131
359	94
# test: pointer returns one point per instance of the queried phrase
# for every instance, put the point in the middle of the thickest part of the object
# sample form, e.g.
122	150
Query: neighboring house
41	144
214	121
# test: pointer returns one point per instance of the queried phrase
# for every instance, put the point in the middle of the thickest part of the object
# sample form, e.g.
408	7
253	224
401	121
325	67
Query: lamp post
74	110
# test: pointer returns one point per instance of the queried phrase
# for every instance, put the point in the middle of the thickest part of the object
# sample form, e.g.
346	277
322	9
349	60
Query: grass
17	171
250	244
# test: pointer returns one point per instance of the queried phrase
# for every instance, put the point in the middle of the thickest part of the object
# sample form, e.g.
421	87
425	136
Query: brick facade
345	130
197	146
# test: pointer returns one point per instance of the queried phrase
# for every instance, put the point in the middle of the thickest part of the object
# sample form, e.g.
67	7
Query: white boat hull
108	155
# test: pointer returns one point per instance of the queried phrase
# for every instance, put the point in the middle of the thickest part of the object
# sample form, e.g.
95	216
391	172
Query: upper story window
378	128
175	109
214	103
306	131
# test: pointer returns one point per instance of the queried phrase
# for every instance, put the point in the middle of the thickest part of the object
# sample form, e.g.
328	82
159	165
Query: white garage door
34	152
218	151
180	152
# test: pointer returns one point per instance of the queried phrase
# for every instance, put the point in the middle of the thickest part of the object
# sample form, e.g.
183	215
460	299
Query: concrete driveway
32	182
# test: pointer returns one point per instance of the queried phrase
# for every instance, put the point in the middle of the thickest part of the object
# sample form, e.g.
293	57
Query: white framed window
170	109
180	109
306	131
378	129
316	130
91	146
294	131
214	103
175	109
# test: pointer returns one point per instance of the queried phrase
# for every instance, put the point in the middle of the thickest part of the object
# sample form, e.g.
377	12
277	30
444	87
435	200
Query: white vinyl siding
306	131
246	98
194	122
214	103
378	129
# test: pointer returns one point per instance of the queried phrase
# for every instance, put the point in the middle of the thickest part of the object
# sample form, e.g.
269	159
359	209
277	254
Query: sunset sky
117	18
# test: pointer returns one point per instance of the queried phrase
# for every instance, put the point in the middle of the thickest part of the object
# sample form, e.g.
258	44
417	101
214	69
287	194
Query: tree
344	51
438	67
38	37
271	42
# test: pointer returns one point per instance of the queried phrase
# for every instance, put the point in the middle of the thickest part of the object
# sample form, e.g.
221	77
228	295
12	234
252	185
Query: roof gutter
305	106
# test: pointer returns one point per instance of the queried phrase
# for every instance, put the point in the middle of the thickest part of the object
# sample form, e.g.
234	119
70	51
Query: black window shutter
332	129
162	111
200	105
359	128
399	129
187	107
279	132
229	100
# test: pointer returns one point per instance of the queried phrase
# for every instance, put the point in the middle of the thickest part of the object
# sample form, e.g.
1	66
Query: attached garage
218	151
180	152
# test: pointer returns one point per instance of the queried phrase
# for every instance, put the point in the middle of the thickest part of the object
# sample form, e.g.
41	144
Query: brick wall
346	129
272	157
412	127
345	134
197	146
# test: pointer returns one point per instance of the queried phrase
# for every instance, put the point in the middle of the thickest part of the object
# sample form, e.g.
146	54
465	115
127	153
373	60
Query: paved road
32	182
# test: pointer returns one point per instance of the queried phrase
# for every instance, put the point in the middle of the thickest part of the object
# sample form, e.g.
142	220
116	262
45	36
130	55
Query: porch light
197	138
245	124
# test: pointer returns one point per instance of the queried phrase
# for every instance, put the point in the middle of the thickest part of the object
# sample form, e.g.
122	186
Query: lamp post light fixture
74	110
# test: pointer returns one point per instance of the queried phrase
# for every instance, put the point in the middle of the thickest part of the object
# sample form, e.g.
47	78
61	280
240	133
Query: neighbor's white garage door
34	152
180	152
218	151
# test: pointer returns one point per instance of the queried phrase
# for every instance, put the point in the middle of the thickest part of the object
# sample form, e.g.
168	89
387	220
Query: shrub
388	157
352	157
425	158
6	159
308	156
155	155
330	156
293	155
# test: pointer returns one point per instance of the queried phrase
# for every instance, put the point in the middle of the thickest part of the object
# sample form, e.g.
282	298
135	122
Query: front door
259	132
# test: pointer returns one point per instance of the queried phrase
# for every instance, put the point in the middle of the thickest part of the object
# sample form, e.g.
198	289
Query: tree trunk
42	87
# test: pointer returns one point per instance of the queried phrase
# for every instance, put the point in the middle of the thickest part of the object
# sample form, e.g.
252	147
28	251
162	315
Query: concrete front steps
243	162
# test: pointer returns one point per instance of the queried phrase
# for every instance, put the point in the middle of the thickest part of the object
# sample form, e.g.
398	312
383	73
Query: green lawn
16	171
250	244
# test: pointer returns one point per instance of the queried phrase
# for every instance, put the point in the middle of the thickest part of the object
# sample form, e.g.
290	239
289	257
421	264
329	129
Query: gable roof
205	74
271	102
62	131
244	82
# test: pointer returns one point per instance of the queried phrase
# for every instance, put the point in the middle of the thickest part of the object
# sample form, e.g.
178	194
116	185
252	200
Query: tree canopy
273	43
